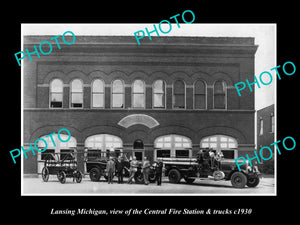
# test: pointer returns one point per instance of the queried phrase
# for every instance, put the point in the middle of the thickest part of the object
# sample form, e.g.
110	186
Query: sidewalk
35	186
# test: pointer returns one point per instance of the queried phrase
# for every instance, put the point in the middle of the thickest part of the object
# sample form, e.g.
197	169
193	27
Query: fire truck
211	165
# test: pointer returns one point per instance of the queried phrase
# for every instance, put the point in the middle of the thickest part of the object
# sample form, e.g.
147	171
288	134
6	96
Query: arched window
223	143
58	151
200	95
56	93
98	94
117	94
159	96
179	95
138	94
220	89
76	94
103	144
173	146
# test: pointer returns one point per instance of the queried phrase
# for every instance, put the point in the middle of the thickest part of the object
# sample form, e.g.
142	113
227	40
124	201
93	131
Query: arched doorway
172	145
228	145
138	149
56	149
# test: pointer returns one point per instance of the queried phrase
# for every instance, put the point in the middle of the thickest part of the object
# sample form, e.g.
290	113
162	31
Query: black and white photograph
106	112
132	114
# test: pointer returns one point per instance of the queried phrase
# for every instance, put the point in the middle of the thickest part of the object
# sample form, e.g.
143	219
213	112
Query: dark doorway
138	149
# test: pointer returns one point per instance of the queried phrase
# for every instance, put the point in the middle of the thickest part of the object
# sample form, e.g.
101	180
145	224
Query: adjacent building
265	134
168	97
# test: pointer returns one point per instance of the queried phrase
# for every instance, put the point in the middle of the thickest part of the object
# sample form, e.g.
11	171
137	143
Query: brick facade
166	58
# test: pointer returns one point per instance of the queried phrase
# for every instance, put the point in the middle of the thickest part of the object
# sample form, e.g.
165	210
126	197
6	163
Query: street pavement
36	186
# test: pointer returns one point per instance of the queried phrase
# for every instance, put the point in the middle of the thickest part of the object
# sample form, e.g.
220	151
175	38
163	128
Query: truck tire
238	180
152	176
253	181
139	178
62	177
174	176
95	174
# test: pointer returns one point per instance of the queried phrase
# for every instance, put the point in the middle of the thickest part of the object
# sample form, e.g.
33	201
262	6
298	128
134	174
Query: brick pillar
169	96
189	97
148	97
66	96
127	96
80	157
107	100
87	97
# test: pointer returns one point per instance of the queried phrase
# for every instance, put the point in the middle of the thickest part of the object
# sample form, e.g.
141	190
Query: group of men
117	167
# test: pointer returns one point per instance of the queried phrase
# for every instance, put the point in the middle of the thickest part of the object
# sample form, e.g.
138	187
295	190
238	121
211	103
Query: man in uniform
119	169
146	170
158	171
110	169
133	169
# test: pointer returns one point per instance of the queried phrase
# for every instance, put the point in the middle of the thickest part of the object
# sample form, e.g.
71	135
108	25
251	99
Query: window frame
194	94
165	96
62	93
71	92
92	94
173	94
261	127
218	142
225	94
118	93
272	122
132	94
171	139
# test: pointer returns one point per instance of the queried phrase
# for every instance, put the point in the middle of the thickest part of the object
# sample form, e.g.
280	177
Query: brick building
265	128
168	97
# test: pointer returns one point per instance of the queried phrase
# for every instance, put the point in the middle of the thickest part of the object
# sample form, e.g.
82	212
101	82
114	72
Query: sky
264	34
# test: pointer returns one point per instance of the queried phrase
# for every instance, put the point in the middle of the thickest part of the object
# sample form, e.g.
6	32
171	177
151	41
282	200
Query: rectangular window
228	154
117	101
65	154
48	154
98	100
138	100
219	101
261	127
179	95
93	154
200	101
77	100
159	94
179	102
56	100
272	123
163	153
159	101
182	153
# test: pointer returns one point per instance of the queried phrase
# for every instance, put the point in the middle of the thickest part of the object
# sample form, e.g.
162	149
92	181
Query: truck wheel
95	174
139	178
174	176
238	180
45	174
62	177
253	181
78	176
152	176
189	180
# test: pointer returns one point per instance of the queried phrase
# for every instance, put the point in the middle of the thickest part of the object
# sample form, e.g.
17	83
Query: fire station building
168	97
